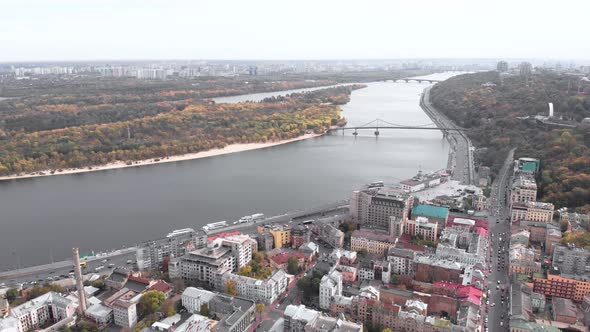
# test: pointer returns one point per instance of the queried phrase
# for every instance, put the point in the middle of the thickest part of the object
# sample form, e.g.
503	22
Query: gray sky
299	29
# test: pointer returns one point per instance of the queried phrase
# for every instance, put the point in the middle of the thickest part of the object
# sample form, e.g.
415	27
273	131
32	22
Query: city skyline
68	30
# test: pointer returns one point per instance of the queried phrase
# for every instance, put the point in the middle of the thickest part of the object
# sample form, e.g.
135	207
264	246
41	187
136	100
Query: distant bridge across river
379	124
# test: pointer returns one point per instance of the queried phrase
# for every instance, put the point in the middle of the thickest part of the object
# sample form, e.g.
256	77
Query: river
42	218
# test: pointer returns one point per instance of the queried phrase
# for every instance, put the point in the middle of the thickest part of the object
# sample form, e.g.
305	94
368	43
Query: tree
151	301
386	330
11	295
230	288
204	311
293	265
168	309
260	309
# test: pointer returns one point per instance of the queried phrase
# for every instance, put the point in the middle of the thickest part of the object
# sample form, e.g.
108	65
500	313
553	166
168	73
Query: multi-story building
329	234
49	307
422	227
193	298
539	211
206	264
265	241
151	254
402	261
518	212
300	319
432	269
100	314
435	214
571	260
374	243
527	165
125	313
280	233
559	285
330	286
373	209
524	189
235	314
564	310
265	291
300	234
459	245
241	248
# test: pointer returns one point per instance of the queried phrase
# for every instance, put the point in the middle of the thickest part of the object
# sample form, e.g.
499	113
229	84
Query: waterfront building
265	241
264	291
373	208
330	286
193	298
281	234
125	313
241	248
150	254
234	313
300	234
329	234
204	265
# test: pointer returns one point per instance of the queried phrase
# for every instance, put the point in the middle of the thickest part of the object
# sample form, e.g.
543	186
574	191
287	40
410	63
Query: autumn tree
152	300
204	310
230	288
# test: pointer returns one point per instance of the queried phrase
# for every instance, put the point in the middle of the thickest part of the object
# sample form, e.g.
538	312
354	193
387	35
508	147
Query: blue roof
430	211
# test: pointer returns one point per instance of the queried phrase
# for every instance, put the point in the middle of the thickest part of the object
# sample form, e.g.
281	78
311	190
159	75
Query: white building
193	298
204	265
50	307
241	247
265	291
125	313
330	286
100	314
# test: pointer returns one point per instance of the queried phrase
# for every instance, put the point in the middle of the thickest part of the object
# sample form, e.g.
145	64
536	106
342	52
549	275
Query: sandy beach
233	148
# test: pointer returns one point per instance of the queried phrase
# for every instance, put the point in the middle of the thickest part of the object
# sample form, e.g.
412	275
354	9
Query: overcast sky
300	29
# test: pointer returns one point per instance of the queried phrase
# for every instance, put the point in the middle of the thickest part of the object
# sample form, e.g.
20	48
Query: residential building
161	286
552	239
330	286
193	298
374	243
234	313
265	291
47	308
502	66
100	314
265	241
373	208
195	323
402	261
423	228
300	234
150	254
125	313
281	234
241	248
572	260
349	273
524	189
560	285
118	278
539	211
280	261
204	265
435	214
432	269
459	245
300	319
564	310
4	306
518	212
329	234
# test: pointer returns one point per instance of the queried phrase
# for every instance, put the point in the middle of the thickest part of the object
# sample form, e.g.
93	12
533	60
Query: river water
42	218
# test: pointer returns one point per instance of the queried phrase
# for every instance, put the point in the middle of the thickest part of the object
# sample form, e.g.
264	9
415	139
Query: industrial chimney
550	110
79	281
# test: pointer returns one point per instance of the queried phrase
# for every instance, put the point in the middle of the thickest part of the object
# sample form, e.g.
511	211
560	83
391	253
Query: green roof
430	211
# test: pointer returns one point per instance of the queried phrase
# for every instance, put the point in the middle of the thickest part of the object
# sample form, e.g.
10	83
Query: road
498	281
60	270
461	159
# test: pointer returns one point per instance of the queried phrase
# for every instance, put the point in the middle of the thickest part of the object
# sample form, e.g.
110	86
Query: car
493	304
501	323
498	282
497	287
105	260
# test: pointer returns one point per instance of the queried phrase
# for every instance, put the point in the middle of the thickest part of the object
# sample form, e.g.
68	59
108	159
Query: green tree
151	301
204	311
292	265
11	294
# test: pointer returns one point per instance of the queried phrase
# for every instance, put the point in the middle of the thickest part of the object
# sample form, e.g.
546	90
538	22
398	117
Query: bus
83	264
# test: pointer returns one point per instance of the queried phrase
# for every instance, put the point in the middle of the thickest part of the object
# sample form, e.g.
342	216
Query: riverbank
233	148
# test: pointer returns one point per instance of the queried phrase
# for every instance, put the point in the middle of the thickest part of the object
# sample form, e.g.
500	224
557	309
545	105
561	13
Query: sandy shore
233	148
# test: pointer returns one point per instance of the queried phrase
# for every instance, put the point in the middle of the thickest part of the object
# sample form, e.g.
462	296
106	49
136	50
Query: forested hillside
95	136
496	111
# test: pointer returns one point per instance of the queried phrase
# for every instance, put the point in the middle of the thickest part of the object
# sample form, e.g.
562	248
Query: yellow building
280	233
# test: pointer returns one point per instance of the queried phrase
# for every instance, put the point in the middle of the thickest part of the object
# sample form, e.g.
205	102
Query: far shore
233	148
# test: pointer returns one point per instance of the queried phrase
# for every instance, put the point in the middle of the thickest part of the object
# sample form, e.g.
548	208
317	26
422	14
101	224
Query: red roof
481	231
446	285
140	279
161	286
223	234
284	257
470	294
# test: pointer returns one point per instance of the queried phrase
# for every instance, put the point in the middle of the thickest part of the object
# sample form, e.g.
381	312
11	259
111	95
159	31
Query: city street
498	282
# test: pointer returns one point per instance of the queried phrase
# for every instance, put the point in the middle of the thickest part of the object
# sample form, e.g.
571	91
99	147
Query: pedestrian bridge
379	124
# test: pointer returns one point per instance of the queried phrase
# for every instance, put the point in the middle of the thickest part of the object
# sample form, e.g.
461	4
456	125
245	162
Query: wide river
42	218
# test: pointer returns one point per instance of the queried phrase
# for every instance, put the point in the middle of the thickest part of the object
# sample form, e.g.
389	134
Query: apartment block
150	254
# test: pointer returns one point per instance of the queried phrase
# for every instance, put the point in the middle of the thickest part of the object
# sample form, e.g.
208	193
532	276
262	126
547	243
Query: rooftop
432	211
161	286
99	310
301	313
373	236
198	293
